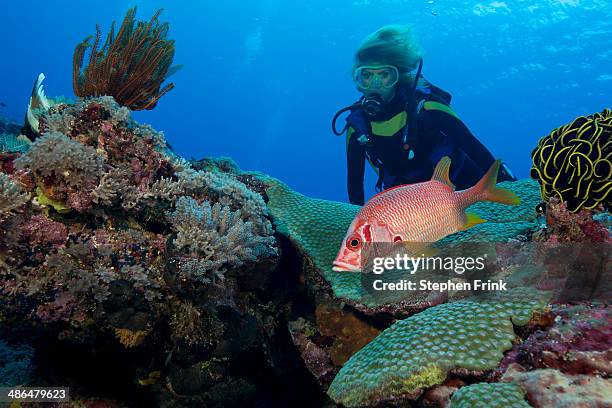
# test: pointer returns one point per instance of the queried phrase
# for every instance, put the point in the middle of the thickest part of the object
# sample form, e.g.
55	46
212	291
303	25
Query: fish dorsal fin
387	190
441	172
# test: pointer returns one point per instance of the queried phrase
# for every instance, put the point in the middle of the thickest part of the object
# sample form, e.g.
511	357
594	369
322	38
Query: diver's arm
470	159
462	138
355	162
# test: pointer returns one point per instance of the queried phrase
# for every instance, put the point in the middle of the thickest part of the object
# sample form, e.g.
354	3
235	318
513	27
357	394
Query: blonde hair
390	45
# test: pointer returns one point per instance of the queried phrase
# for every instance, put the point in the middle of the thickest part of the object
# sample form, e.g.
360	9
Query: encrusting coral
566	226
574	162
130	66
484	395
420	351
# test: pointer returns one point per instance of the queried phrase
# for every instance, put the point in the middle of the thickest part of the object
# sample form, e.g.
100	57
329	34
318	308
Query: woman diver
403	125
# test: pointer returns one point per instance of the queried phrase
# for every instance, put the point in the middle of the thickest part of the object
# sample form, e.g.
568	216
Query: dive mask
376	77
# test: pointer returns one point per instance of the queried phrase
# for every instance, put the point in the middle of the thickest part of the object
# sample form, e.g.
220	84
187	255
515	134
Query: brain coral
484	395
317	227
574	162
418	352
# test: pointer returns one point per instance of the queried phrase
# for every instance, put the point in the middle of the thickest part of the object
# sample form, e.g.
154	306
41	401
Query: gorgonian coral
574	162
131	66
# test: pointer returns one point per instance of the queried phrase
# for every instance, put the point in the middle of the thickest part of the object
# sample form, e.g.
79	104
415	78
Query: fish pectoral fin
441	172
471	220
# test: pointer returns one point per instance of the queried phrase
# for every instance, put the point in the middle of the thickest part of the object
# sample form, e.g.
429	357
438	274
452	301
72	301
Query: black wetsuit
438	133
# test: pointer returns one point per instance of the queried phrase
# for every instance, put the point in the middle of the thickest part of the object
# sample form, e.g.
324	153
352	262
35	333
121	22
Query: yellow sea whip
574	162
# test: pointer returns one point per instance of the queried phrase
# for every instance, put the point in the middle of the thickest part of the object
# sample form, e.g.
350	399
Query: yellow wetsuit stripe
432	105
390	127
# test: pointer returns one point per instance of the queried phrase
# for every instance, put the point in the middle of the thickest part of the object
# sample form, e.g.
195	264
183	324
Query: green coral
484	395
317	227
14	143
503	221
418	352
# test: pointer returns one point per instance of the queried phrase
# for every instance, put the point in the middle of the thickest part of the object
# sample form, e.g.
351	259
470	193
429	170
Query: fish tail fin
486	189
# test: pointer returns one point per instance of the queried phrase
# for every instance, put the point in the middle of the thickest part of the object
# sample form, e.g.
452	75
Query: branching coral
130	66
213	237
11	195
574	162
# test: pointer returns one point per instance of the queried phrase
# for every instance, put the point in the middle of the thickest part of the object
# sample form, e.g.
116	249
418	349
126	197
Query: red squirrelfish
420	213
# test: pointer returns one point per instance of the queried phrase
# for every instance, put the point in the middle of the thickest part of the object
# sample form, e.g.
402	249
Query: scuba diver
403	125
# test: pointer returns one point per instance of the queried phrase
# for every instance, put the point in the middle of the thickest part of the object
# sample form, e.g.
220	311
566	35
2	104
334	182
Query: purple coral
40	230
565	226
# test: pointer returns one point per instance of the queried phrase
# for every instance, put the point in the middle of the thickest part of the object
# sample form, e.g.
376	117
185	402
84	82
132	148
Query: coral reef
116	249
153	281
573	162
420	351
131	66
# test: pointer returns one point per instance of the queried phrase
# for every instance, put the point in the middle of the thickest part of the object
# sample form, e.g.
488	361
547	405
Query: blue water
262	78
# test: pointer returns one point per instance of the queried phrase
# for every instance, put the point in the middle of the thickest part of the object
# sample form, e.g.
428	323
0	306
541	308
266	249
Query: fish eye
541	208
354	242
